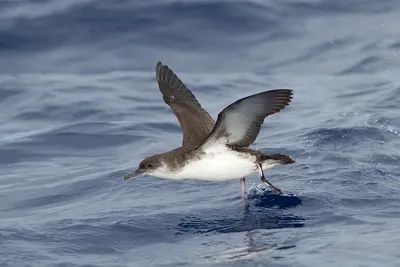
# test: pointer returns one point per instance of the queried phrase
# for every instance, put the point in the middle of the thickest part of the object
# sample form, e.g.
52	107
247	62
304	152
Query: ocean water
80	108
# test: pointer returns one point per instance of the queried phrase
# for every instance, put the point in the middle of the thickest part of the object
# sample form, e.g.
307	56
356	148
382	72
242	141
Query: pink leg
242	187
265	181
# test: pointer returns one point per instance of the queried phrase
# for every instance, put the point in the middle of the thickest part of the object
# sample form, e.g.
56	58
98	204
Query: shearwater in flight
215	151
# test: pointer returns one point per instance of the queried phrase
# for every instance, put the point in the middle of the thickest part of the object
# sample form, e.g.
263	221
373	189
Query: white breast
218	164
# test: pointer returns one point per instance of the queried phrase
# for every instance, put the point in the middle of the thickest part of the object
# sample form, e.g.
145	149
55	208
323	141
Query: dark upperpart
282	159
261	157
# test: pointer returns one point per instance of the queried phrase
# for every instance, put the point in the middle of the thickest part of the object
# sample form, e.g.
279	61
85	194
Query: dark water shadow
259	211
268	199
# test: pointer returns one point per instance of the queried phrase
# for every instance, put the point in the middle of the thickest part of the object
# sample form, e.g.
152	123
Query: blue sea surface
80	108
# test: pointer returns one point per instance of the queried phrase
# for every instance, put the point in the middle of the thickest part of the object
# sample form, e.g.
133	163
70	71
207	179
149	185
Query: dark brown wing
195	122
239	123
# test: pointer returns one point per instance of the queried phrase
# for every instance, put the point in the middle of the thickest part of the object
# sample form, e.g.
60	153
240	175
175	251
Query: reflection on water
263	210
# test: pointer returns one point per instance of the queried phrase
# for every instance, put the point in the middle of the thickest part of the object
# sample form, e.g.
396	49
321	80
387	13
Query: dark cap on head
147	165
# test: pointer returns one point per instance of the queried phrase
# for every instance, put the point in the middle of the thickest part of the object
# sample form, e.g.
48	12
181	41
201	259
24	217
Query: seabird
215	151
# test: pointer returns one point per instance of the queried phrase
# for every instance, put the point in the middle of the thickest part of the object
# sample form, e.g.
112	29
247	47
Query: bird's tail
278	158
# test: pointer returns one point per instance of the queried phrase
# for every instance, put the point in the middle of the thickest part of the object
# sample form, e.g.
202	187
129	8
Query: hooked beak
133	174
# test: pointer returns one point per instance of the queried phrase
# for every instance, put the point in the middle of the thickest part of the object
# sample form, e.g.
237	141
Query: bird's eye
150	165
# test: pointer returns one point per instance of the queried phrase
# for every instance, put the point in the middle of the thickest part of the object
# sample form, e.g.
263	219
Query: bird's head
146	166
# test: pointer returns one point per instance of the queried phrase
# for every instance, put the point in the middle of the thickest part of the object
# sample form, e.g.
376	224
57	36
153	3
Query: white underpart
219	164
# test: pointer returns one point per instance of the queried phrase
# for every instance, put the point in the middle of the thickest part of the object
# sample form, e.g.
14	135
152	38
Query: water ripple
80	107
